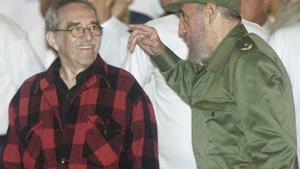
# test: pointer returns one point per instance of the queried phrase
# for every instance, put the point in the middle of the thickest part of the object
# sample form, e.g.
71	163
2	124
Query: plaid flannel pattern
110	124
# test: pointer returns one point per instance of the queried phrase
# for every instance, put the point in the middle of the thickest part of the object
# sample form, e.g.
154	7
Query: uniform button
63	161
67	96
213	114
105	132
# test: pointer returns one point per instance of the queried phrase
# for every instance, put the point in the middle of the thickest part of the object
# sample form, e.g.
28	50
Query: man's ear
50	36
212	12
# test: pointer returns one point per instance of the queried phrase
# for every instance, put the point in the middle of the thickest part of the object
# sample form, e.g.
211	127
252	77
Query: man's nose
87	34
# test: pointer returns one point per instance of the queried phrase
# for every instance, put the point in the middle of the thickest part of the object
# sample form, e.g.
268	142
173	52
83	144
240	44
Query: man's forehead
75	8
75	12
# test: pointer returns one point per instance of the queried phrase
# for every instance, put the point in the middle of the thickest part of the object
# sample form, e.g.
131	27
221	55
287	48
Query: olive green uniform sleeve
264	99
178	73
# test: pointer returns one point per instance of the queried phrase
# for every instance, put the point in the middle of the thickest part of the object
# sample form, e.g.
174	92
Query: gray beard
197	56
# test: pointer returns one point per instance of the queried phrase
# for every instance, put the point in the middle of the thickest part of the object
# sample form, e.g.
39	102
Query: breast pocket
32	145
104	141
223	127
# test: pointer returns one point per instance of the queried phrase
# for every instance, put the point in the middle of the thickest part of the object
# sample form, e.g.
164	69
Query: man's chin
88	59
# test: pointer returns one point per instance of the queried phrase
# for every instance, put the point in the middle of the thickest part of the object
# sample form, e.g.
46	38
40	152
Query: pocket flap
214	104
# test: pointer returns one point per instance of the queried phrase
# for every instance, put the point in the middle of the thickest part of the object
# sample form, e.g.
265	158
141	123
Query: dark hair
52	15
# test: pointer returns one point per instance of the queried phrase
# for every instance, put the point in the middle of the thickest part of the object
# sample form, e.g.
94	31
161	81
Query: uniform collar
222	53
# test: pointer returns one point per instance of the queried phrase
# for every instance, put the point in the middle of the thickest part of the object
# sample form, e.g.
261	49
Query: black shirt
65	94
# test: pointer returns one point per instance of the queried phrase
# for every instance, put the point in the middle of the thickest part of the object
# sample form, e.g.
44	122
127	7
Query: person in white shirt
27	14
18	61
145	10
173	115
285	42
115	34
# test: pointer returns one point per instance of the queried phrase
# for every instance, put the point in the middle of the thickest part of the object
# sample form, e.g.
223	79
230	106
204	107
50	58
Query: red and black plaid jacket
110	125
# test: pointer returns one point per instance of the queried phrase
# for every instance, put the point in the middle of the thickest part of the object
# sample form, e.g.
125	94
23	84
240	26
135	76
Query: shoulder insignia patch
246	46
245	43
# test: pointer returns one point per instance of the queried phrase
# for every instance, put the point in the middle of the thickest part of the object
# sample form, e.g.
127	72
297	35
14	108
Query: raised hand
147	38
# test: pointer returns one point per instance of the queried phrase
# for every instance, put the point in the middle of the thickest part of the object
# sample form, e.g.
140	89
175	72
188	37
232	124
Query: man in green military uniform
239	91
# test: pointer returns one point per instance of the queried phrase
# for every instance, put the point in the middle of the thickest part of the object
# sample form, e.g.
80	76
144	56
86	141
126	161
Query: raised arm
177	73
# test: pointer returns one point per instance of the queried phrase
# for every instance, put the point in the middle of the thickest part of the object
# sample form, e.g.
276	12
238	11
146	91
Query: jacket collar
99	68
223	52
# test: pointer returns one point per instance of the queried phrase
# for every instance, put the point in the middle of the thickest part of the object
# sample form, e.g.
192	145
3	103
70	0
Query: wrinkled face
80	51
254	10
193	30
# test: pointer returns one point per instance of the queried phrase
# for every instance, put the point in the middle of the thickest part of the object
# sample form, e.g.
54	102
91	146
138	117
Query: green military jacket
242	107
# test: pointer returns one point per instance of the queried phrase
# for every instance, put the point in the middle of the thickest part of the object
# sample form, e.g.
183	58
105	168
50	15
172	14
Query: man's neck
68	75
224	29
